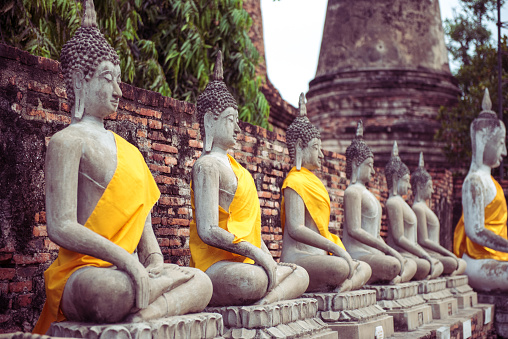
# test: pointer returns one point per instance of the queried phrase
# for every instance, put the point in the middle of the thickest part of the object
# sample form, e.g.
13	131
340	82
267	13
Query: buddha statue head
488	135
397	173
359	158
215	104
304	140
421	182
85	58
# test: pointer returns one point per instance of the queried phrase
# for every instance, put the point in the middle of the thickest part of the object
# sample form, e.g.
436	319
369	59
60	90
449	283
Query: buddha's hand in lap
139	276
400	258
352	264
266	261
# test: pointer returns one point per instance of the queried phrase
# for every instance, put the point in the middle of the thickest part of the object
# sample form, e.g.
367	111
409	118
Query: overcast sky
292	35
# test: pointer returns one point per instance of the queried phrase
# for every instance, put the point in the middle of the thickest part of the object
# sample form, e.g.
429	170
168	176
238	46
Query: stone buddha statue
402	229
225	233
305	215
362	226
481	235
99	193
428	223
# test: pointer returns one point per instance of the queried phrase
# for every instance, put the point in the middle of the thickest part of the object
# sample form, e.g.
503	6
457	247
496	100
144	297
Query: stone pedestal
285	319
440	299
404	304
354	315
199	325
500	311
460	289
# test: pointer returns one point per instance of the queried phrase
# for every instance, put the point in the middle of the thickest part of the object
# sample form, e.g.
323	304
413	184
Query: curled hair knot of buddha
300	128
84	52
395	168
358	152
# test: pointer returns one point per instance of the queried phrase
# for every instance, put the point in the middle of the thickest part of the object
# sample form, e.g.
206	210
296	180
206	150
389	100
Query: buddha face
403	185
495	149
312	155
426	190
102	92
225	128
365	170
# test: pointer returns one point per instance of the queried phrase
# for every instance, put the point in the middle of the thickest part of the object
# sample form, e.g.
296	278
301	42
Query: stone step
456	281
467	323
394	292
295	318
351	300
431	286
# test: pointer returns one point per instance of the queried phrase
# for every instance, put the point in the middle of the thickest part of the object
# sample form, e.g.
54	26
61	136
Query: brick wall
33	106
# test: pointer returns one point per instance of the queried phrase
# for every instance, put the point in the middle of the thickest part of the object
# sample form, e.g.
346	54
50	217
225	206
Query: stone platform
458	286
353	315
198	325
466	323
404	304
295	318
440	299
500	302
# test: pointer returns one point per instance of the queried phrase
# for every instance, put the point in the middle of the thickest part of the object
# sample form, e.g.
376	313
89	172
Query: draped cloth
243	220
119	216
495	221
316	200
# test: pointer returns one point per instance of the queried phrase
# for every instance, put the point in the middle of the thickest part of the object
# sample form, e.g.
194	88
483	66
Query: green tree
164	46
470	46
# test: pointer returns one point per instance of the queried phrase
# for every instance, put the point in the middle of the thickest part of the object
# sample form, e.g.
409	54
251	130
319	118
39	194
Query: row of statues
99	193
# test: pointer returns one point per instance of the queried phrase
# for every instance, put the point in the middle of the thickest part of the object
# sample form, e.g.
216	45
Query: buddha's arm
205	181
474	217
62	167
423	236
295	225
149	252
396	221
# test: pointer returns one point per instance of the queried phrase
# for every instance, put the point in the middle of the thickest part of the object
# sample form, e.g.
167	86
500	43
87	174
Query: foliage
469	45
165	46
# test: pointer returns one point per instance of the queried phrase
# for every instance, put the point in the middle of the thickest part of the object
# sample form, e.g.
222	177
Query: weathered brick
24	300
50	246
155	124
40	231
20	286
7	273
38	87
195	143
31	259
175	242
164	148
163	242
181	222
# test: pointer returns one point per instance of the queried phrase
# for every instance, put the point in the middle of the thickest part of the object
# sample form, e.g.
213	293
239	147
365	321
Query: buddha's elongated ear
209	130
78	81
395	184
299	154
354	171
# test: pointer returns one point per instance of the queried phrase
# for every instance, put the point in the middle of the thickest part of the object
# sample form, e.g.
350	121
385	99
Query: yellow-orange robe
495	221
243	220
315	197
119	216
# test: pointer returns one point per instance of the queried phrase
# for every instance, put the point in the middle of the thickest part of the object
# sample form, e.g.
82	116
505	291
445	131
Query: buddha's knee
449	264
246	285
107	297
201	285
390	268
422	269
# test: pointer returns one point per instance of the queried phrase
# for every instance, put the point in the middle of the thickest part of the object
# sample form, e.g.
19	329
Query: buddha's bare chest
98	162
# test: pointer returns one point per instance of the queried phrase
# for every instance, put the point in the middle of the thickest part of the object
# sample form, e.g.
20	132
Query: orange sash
119	216
243	221
316	199
495	221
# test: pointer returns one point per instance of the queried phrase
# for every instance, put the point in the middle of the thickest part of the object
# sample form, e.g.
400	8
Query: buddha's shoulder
68	137
207	165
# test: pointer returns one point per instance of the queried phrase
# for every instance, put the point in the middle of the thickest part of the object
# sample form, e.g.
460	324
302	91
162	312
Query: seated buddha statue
362	219
99	193
428	223
305	215
225	233
402	229
480	237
